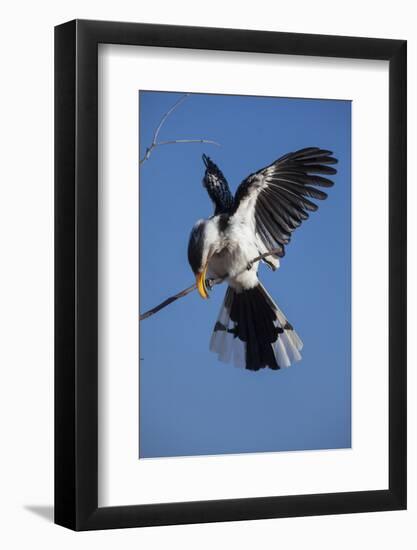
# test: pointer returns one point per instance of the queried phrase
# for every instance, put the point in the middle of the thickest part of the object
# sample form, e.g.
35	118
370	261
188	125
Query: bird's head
200	249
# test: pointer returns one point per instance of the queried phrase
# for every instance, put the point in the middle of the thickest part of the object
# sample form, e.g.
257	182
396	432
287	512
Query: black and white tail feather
252	332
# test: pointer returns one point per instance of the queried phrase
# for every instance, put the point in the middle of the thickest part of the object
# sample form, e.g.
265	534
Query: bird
251	331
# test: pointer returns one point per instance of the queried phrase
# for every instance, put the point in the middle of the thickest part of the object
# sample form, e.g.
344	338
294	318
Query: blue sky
191	404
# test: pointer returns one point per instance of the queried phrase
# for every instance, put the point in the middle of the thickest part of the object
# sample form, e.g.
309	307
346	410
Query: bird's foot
209	284
212	282
249	266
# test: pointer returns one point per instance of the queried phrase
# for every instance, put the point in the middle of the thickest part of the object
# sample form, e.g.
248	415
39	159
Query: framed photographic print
230	275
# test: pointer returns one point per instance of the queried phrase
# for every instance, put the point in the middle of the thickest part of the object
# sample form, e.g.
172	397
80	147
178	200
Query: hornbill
251	330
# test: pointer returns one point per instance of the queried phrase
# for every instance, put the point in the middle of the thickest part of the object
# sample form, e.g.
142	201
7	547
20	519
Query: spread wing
277	199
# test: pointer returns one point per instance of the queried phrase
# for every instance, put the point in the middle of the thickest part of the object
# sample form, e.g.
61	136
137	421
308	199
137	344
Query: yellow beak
200	279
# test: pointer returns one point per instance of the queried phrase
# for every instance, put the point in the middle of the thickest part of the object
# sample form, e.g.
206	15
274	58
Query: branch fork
155	143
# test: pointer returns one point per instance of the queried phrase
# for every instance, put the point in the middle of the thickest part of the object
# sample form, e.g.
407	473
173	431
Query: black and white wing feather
277	199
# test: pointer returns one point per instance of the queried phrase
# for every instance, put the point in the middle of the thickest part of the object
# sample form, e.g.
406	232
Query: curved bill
200	279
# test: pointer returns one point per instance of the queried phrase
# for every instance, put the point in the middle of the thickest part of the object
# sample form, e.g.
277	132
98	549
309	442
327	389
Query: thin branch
166	115
188	290
189	141
168	301
155	143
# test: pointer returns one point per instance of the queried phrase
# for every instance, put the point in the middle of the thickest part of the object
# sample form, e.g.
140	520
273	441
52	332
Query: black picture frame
76	272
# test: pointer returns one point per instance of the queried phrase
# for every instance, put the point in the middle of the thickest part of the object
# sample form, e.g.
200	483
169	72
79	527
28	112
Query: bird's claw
209	284
249	266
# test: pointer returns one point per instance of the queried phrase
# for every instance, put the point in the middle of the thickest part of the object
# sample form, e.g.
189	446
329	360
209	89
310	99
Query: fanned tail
252	332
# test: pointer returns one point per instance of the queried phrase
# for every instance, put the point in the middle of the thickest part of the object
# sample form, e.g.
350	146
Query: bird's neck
222	200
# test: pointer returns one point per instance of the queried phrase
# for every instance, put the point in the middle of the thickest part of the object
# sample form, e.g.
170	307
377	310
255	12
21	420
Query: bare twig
155	143
167	302
166	115
171	142
188	290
